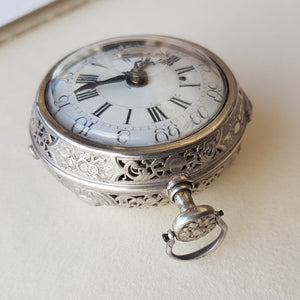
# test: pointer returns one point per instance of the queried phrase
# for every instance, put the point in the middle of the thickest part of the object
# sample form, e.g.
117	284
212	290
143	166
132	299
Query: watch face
136	91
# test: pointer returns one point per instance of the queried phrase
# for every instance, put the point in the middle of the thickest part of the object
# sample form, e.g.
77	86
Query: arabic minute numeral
61	102
123	136
82	126
198	116
214	92
164	135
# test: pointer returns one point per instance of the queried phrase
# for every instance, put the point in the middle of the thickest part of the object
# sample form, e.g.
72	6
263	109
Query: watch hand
92	85
137	76
141	65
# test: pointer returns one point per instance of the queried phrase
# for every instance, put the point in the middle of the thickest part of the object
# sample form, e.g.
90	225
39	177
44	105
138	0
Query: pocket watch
142	121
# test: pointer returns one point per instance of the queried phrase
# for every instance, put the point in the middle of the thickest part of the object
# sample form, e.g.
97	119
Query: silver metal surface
208	249
147	176
193	222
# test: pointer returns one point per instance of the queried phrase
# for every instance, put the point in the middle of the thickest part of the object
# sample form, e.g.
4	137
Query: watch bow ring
142	121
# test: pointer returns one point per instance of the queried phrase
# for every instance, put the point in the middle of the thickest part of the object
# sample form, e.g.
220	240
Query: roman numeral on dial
101	109
85	78
184	70
128	116
156	114
181	103
171	60
86	95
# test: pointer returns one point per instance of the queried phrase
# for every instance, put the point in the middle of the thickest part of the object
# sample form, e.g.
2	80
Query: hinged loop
193	222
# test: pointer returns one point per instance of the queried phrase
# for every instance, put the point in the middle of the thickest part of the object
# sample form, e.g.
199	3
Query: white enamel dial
136	92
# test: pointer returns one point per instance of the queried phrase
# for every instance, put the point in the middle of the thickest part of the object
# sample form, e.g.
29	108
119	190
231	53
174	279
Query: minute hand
92	85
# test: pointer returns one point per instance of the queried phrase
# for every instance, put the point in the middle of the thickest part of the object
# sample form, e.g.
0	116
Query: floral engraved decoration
83	163
96	197
42	137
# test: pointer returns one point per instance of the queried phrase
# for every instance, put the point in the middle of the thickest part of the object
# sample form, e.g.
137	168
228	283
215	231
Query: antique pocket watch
142	121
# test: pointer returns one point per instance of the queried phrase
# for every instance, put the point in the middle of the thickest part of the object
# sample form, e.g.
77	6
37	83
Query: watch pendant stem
193	222
184	200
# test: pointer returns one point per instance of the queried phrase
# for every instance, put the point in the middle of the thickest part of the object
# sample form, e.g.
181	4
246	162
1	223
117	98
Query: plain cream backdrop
53	246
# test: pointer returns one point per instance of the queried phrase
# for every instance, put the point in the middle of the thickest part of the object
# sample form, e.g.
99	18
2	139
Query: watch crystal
136	92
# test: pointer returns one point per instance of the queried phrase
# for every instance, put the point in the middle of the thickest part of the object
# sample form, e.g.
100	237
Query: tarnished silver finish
148	176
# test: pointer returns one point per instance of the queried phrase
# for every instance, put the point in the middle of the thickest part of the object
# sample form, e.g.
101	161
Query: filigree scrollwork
141	170
43	138
93	196
208	150
200	156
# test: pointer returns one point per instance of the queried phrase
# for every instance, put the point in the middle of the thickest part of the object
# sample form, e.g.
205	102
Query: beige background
53	246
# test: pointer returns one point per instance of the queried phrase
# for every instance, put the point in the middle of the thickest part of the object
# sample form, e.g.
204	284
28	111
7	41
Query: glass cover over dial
136	91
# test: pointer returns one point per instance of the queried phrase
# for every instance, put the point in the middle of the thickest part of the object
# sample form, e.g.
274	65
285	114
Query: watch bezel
142	151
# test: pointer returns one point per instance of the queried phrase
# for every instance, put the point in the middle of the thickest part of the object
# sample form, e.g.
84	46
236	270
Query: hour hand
92	85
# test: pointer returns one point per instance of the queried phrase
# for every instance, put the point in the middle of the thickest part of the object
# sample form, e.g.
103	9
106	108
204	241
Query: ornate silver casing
139	177
102	177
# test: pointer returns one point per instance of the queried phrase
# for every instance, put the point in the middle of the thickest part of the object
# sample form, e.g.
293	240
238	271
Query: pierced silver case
139	177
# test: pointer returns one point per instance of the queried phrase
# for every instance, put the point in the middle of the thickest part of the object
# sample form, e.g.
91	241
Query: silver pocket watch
142	121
